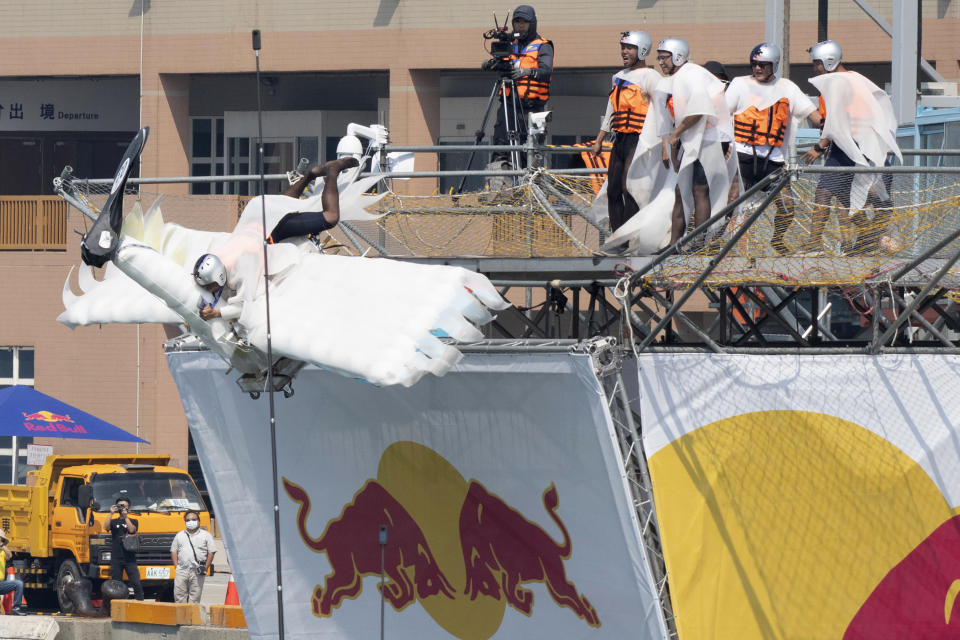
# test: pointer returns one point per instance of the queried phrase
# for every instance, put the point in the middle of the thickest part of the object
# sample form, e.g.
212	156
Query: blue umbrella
24	411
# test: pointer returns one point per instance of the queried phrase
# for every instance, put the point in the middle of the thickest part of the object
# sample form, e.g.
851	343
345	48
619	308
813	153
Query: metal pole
822	10
784	179
479	136
876	346
650	266
270	390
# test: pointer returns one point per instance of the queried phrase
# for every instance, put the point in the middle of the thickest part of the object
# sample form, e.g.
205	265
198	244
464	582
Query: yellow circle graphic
779	524
433	491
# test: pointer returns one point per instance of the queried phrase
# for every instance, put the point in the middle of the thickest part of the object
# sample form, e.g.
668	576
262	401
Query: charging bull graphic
503	550
354	553
484	554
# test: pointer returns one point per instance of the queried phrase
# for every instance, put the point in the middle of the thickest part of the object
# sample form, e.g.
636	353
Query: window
16	367
206	153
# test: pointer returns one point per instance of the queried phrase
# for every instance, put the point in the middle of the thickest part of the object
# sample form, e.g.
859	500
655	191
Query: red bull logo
455	547
46	416
49	421
918	597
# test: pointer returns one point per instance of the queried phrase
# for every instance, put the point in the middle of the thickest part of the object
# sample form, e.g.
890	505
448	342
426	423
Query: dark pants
299	224
754	168
620	204
518	121
118	566
6	586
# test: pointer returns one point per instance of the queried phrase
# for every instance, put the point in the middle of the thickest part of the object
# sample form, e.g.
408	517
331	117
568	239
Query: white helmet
638	39
676	46
828	52
350	146
766	52
208	270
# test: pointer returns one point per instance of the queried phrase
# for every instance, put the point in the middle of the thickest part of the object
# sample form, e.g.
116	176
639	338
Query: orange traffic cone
8	597
232	597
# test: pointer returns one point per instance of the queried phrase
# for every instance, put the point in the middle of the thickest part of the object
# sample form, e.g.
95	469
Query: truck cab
59	529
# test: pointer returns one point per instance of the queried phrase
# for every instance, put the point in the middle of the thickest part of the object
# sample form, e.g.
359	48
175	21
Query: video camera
502	42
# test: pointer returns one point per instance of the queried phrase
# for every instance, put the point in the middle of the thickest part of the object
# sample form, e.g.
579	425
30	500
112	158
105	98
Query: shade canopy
24	411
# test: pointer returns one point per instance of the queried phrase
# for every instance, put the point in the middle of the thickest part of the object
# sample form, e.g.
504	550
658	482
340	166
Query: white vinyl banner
807	496
489	503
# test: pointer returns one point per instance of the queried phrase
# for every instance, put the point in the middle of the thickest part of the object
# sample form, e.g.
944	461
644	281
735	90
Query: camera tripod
515	125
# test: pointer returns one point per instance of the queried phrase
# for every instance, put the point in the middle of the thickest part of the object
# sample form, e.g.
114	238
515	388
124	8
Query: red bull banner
807	496
489	503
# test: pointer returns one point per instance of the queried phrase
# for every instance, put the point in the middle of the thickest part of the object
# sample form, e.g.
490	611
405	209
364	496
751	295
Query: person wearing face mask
192	552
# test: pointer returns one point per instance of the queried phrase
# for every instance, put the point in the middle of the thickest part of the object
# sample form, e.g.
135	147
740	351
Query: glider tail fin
101	242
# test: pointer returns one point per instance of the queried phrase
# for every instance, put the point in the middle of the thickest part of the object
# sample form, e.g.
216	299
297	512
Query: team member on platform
764	108
627	109
694	115
859	129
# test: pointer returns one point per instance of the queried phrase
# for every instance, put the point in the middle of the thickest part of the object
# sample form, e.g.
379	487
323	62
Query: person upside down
211	274
305	223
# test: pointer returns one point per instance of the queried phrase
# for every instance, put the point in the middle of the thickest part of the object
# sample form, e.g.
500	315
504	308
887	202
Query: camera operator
530	66
119	523
192	552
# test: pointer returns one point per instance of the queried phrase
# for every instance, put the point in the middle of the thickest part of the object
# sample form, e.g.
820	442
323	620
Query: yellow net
808	239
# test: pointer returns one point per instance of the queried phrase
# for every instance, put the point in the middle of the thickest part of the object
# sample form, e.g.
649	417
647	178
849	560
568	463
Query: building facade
76	80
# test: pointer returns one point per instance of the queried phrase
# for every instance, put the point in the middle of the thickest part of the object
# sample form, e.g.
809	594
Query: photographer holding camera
120	525
192	552
529	64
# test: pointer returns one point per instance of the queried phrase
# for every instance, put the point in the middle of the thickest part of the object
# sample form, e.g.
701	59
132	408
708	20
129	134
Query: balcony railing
33	222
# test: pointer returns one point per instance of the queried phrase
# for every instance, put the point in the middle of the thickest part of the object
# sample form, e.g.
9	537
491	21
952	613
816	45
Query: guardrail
33	223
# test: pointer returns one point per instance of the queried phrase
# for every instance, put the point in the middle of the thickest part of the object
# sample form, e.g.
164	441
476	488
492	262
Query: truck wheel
69	572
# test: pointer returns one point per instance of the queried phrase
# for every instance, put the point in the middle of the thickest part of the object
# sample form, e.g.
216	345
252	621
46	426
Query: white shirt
745	92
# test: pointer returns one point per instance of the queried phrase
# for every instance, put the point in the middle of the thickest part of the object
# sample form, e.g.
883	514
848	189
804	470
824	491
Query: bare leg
330	197
701	204
679	221
296	189
819	220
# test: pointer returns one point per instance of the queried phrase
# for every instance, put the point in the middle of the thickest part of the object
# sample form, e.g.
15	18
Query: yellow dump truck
56	522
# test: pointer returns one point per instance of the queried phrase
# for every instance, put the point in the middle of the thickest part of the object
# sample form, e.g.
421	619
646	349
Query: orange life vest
599	161
767	127
629	107
527	87
822	108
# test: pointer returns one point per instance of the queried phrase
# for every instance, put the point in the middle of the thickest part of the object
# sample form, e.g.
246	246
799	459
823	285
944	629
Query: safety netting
802	239
796	241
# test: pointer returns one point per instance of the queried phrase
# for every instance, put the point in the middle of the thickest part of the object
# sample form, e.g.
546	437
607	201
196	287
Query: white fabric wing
373	318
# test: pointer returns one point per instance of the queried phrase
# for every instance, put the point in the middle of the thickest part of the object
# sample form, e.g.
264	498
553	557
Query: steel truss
912	305
607	363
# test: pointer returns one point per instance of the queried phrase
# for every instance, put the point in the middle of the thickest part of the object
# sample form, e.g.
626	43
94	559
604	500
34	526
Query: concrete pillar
165	108
777	31
904	57
415	119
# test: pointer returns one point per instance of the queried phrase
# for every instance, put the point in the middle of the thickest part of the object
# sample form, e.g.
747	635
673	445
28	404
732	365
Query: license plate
157	573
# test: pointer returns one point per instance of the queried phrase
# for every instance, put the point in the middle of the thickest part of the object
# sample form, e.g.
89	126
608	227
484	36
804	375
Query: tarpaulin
501	487
807	496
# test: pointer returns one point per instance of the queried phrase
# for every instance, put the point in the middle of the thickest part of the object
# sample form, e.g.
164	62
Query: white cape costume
691	91
861	122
